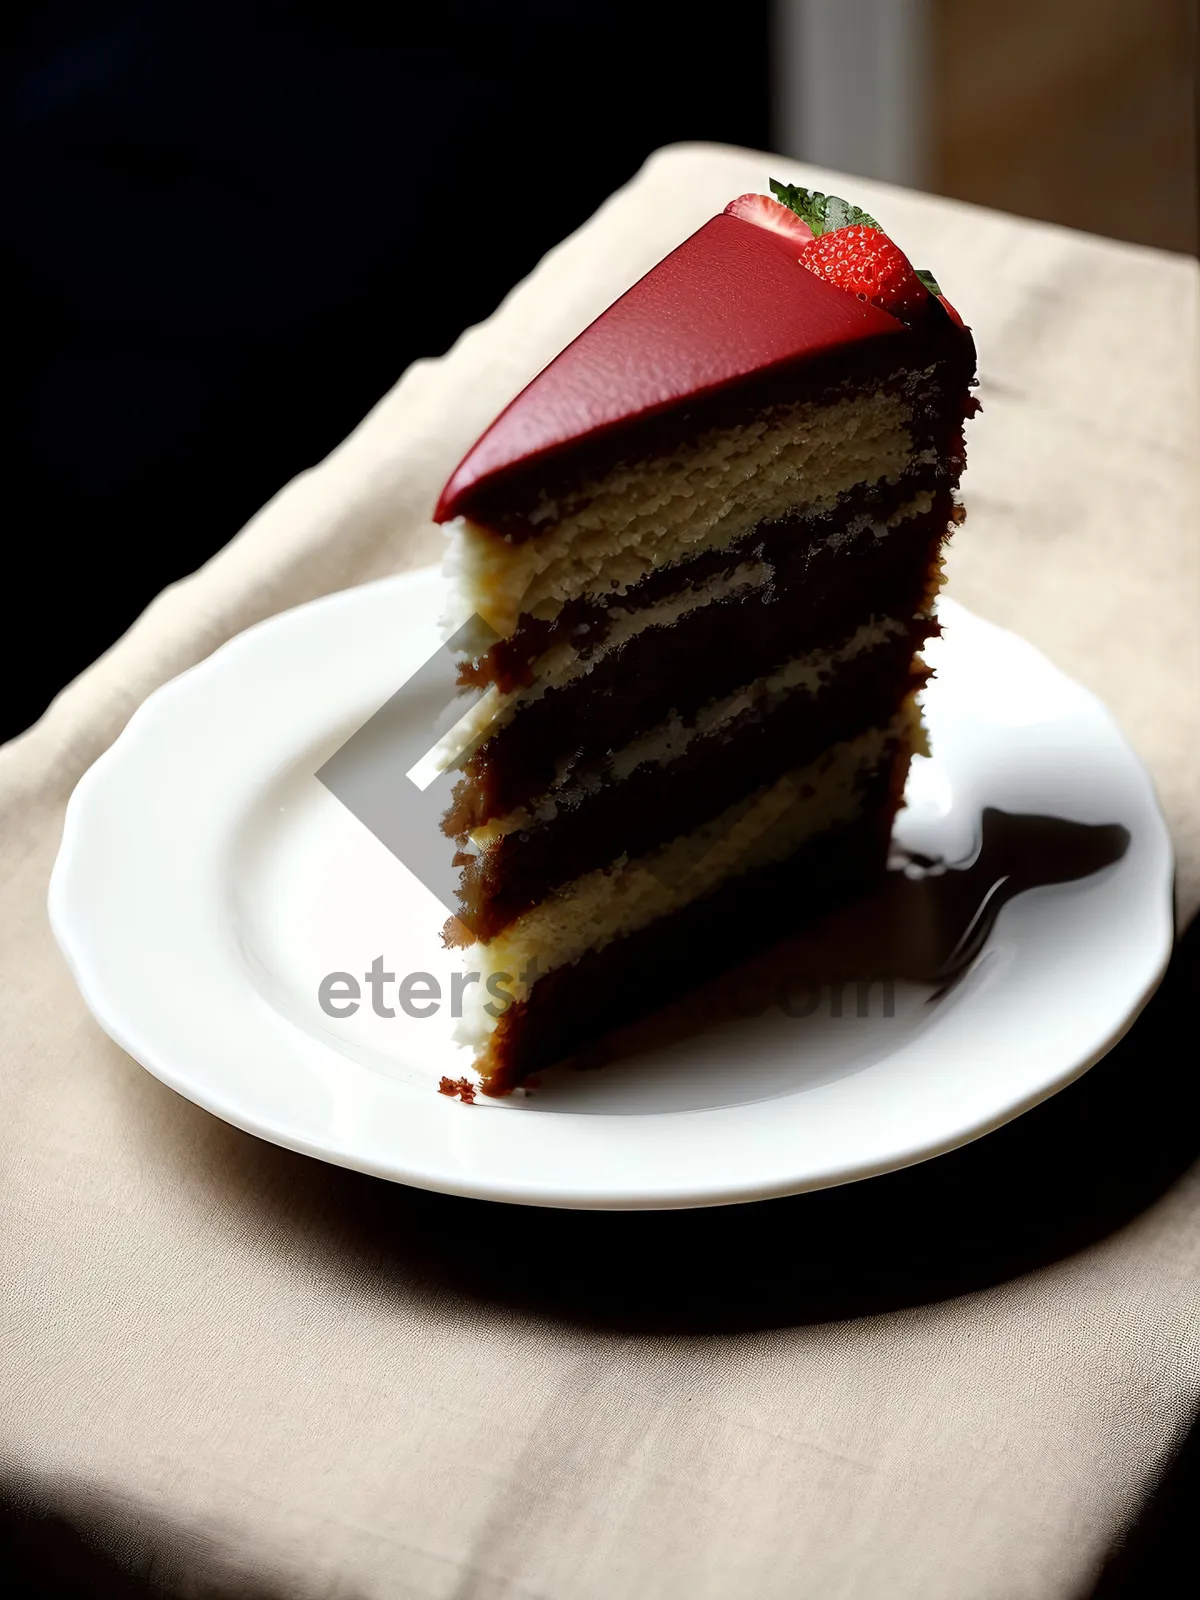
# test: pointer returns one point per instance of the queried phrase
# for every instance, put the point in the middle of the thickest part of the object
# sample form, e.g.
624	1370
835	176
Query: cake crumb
458	1089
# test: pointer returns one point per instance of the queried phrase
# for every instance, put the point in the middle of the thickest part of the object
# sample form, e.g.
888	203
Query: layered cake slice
699	554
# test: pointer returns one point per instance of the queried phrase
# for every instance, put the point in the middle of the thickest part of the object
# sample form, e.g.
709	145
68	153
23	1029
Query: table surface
228	1364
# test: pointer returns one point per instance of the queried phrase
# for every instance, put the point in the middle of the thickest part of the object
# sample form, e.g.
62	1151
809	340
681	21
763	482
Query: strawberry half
764	212
866	262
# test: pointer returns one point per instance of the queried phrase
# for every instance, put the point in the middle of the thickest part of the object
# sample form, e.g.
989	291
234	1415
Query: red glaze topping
731	303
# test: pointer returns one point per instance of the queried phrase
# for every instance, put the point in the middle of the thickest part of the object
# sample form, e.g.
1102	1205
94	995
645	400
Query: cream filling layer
706	495
764	828
806	674
563	662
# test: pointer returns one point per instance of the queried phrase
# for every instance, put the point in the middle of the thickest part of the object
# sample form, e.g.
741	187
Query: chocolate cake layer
572	1005
791	546
708	652
657	802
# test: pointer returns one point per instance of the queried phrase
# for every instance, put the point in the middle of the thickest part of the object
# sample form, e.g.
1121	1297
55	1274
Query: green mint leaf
841	214
822	212
928	279
808	205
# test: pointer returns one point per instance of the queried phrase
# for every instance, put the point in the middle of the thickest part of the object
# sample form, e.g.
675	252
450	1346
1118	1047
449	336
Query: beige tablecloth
231	1364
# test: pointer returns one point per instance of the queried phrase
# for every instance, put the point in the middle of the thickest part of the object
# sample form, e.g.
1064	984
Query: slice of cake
700	553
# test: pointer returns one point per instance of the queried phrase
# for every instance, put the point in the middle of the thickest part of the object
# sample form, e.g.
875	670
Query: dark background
234	225
230	227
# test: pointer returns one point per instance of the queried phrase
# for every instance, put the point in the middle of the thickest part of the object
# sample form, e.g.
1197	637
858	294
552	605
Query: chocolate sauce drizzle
928	922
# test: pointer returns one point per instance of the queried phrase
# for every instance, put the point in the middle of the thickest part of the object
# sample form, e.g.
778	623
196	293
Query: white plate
207	882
